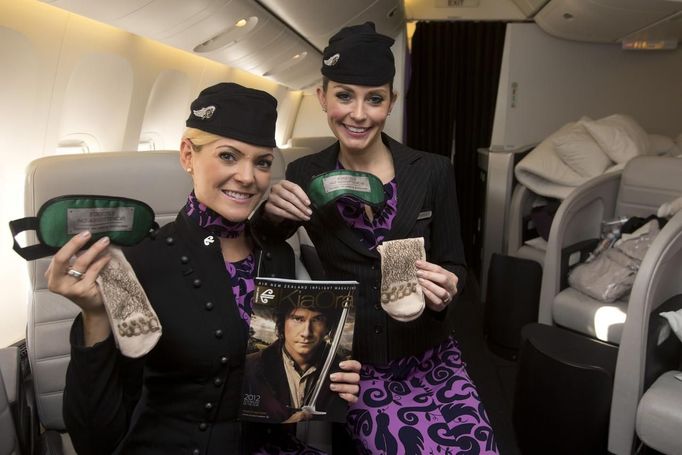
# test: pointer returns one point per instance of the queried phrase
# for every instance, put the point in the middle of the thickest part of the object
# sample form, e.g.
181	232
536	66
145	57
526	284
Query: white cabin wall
312	122
67	75
559	81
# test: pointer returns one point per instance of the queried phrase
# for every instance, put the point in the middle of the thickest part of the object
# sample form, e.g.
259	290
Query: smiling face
229	176
303	332
356	114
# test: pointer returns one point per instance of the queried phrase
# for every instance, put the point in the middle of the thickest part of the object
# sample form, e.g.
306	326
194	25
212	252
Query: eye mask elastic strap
32	252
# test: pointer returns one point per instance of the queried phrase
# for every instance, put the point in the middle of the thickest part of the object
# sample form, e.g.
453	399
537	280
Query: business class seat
648	350
645	184
628	333
154	177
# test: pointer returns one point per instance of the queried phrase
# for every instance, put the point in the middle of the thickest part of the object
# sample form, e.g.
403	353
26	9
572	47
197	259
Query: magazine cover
300	331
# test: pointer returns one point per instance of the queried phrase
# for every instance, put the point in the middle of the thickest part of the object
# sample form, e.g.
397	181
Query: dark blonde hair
199	137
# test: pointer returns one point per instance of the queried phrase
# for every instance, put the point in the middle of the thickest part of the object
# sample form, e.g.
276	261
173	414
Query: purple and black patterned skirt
423	404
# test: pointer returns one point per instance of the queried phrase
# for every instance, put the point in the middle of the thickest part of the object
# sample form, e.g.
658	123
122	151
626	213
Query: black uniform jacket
427	207
266	378
182	397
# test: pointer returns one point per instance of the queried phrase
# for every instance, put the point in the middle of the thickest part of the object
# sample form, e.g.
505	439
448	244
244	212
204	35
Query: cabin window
149	141
146	146
74	144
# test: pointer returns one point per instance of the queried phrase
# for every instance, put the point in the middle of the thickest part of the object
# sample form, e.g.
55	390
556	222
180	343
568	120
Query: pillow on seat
576	147
619	136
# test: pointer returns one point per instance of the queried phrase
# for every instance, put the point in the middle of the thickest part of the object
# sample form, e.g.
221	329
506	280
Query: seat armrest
572	255
519	211
9	367
19	390
579	218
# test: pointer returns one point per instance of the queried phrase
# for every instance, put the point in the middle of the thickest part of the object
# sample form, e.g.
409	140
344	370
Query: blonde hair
199	137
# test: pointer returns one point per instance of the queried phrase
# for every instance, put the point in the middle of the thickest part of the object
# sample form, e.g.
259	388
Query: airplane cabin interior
563	123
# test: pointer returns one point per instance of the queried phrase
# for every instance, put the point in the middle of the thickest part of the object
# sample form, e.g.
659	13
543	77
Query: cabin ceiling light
285	65
231	35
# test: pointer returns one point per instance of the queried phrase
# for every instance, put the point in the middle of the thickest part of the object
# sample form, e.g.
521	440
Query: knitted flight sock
401	295
134	323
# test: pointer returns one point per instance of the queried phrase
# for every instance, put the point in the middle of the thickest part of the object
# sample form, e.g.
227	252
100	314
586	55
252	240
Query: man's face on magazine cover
303	332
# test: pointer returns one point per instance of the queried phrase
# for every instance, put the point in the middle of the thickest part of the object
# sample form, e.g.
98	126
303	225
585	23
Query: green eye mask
125	221
330	186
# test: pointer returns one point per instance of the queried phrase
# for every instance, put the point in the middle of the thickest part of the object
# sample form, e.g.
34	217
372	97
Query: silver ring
75	273
447	297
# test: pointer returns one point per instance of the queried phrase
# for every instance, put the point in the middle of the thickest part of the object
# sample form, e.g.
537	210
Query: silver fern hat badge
204	113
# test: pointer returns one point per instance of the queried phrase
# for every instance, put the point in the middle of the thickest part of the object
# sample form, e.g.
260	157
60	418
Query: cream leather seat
644	347
154	177
644	184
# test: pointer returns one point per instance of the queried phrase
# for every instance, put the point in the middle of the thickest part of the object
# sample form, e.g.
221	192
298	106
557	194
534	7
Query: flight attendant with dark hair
415	393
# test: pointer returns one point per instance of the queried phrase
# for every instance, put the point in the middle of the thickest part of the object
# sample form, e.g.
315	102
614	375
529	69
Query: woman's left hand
347	382
439	285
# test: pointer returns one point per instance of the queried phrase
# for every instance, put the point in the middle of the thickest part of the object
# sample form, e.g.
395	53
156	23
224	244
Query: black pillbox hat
359	55
231	110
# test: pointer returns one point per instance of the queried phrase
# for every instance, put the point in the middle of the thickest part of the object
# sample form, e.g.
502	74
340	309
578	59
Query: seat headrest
316	144
647	182
156	178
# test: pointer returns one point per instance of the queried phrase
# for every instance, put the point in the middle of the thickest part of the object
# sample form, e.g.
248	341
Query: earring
324	108
189	169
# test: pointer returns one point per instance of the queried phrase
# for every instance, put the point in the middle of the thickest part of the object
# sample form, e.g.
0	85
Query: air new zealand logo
333	60
204	113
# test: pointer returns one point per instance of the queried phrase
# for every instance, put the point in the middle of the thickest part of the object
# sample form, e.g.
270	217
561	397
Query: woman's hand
76	282
439	285
288	201
346	382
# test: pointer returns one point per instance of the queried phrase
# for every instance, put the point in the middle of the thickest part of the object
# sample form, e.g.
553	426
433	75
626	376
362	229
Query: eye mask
125	221
330	186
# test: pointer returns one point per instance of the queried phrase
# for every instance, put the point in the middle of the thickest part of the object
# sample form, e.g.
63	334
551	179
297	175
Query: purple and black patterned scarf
210	220
242	272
